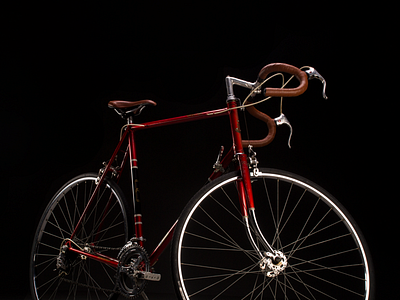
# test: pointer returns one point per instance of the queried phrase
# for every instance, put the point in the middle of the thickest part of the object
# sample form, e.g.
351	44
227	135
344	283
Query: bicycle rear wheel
104	228
212	257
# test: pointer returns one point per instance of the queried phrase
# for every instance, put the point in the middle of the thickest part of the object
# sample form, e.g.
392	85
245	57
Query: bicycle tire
106	226
212	258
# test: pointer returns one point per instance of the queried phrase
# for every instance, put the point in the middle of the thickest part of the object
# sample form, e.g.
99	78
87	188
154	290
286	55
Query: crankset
134	270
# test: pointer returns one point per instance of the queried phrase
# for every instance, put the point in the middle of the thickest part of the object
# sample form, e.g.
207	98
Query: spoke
228	238
290	215
290	286
227	210
216	249
319	243
49	263
53	235
216	275
73	288
61	229
327	281
111	237
104	215
231	271
269	202
230	246
58	225
84	229
331	268
103	266
304	226
54	294
308	287
104	231
71	222
92	280
77	213
52	281
256	287
313	233
229	286
233	205
67	222
51	247
277	205
242	272
278	231
322	257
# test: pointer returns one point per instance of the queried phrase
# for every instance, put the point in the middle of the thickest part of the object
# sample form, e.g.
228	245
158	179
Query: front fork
271	260
250	222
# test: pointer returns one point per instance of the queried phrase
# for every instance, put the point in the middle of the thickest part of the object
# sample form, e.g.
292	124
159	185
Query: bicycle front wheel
212	257
105	227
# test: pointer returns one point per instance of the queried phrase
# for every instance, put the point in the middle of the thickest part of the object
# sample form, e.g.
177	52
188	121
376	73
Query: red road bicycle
249	233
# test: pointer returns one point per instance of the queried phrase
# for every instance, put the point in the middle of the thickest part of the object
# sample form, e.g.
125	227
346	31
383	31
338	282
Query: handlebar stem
231	81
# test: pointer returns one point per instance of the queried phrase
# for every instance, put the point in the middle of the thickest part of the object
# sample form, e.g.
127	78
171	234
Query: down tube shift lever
283	120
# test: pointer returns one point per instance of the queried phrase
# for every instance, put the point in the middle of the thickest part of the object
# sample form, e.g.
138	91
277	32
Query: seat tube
133	162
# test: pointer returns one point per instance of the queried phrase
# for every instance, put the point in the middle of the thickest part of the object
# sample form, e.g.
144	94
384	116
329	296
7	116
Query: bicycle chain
115	291
95	287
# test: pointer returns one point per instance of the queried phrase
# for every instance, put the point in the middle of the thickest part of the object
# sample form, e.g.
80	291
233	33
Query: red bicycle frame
244	186
243	183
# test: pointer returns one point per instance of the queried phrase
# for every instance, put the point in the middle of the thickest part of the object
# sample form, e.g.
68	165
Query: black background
62	64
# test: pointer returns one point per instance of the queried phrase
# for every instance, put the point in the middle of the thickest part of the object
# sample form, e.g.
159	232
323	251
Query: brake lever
283	120
312	73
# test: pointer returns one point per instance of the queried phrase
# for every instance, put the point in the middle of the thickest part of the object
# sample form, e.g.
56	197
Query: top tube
181	119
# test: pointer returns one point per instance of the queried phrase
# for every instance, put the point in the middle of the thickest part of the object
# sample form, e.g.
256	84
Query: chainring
133	262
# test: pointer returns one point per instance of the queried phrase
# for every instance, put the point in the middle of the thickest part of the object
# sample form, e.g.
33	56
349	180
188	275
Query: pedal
150	276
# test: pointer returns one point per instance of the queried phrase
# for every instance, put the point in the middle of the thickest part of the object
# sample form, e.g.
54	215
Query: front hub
273	263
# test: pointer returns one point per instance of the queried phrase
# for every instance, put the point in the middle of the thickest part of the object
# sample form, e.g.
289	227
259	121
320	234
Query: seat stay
99	183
